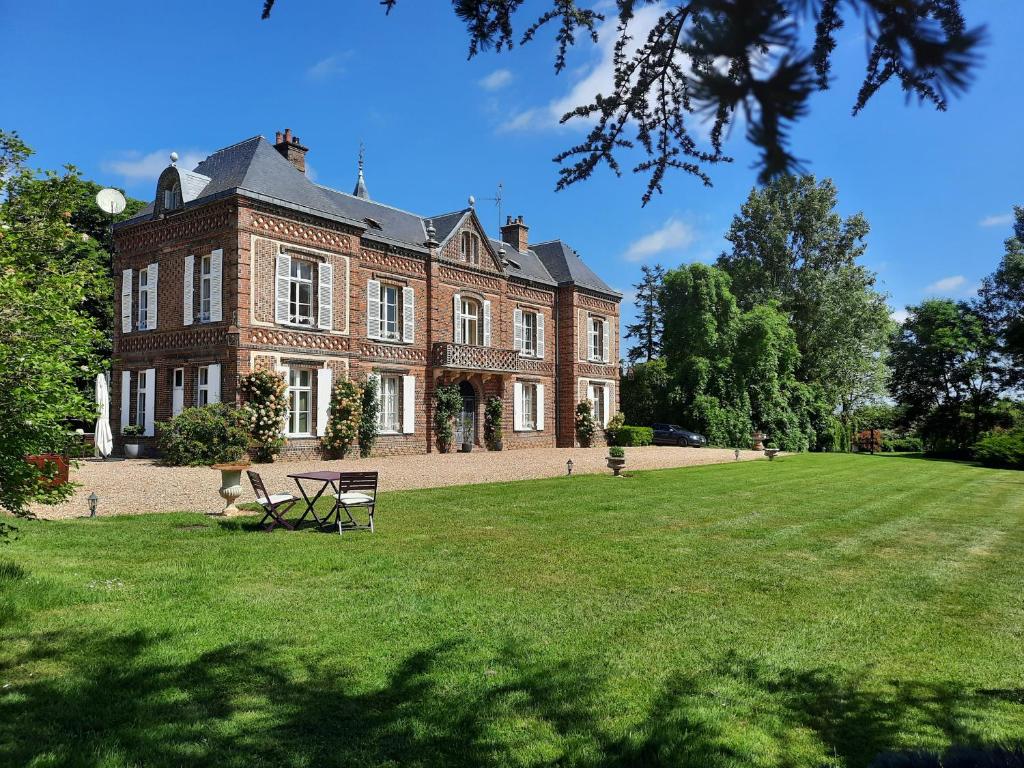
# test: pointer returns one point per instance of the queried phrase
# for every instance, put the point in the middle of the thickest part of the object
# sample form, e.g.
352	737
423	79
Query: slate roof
255	169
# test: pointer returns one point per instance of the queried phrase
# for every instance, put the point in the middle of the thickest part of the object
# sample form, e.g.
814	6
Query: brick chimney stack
291	149
515	233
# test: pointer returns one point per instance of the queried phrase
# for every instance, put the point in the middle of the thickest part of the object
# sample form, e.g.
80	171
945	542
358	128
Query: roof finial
174	158
361	190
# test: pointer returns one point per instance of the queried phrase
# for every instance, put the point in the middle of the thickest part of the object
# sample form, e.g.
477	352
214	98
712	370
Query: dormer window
470	248
172	198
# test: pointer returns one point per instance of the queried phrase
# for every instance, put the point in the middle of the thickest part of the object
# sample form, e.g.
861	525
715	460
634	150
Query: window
389	418
529	333
140	398
172	198
599	403
529	406
470	317
300	395
203	388
596	333
143	299
300	293
470	248
205	288
389	313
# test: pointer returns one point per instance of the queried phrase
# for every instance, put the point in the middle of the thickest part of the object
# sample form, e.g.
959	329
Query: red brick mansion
245	263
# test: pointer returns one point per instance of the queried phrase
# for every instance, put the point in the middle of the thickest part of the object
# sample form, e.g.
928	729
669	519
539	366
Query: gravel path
136	486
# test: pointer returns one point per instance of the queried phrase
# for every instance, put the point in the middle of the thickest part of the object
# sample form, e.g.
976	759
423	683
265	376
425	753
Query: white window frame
389	417
205	288
142	387
468	319
172	198
595	336
203	386
142	321
386	332
294	394
529	406
599	414
470	247
530	334
295	284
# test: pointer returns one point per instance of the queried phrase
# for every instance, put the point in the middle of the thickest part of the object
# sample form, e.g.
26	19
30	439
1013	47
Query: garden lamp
94	501
737	454
568	467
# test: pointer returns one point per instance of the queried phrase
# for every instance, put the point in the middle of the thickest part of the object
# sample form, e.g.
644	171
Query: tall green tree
945	373
643	393
648	328
1001	303
790	246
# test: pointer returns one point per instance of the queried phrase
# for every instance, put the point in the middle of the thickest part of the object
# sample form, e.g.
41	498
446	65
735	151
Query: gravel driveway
136	486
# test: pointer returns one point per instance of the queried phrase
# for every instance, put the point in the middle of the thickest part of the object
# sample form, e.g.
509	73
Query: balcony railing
466	357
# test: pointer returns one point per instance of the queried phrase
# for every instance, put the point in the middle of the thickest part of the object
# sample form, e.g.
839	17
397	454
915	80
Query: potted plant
616	459
492	423
771	451
447	403
131	443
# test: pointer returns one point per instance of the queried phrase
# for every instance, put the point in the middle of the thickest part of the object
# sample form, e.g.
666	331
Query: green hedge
633	436
1001	449
213	434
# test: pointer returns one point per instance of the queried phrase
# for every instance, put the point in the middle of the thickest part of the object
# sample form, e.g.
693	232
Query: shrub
447	403
617	452
212	434
368	418
901	443
493	413
133	430
615	423
585	427
1001	448
345	418
266	408
633	436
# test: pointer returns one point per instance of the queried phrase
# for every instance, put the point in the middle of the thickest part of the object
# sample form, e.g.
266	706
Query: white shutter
540	408
216	285
282	371
517	332
188	303
126	398
373	309
517	406
150	401
284	270
324	379
487	323
153	273
607	343
408	404
408	315
457	301
325	296
609	393
213	382
540	335
126	301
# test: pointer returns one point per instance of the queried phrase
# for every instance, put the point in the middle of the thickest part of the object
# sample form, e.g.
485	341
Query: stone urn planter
758	438
230	486
771	453
616	460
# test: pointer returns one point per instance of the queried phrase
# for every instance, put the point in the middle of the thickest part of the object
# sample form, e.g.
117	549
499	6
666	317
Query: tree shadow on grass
126	700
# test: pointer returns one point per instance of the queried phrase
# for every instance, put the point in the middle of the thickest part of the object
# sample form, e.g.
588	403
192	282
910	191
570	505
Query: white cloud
946	284
997	220
326	68
672	235
134	166
498	79
899	315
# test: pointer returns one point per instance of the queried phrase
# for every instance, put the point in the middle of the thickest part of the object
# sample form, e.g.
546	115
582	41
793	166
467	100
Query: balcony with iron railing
467	357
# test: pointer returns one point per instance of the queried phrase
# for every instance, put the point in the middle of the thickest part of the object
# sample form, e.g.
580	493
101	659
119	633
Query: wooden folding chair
355	489
274	506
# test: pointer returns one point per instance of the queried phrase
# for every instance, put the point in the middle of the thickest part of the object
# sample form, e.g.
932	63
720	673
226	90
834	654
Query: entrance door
465	423
178	391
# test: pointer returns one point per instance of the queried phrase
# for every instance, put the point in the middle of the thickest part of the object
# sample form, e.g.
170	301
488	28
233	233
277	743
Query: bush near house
633	436
266	409
585	427
212	434
1001	448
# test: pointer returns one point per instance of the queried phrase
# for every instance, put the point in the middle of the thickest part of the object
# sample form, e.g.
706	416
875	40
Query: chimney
291	149
515	233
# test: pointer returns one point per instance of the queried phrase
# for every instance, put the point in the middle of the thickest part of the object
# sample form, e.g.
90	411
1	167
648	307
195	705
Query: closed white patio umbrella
104	439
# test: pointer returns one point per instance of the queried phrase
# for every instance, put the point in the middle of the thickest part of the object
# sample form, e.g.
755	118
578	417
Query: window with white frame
529	333
390	312
300	397
389	419
143	320
596	336
470	247
172	197
529	406
471	319
205	288
300	293
140	398
599	403
203	387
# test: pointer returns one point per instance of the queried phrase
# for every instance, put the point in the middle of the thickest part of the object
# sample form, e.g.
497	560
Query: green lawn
816	610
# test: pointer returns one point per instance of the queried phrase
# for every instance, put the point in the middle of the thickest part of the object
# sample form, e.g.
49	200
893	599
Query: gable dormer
176	187
466	243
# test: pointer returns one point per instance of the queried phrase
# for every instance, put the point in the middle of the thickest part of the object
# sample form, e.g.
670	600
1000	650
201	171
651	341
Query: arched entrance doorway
465	423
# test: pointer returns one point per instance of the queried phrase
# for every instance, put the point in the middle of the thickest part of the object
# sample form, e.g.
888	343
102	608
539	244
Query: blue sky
113	87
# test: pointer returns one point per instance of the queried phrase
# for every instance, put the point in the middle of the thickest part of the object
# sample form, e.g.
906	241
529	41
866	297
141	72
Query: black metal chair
275	506
355	490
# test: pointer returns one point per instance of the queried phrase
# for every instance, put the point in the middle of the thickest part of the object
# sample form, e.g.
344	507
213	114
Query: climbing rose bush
266	406
345	416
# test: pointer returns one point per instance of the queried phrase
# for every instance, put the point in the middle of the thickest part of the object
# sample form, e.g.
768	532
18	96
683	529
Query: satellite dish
110	201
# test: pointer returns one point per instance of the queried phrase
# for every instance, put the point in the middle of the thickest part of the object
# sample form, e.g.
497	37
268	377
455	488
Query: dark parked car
673	434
